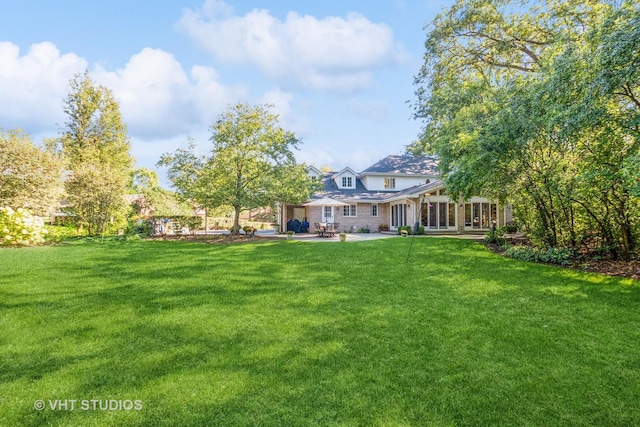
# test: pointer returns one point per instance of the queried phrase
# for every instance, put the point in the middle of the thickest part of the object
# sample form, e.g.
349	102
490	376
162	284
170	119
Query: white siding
376	183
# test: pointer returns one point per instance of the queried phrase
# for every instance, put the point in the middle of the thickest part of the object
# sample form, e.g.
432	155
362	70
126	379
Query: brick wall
363	218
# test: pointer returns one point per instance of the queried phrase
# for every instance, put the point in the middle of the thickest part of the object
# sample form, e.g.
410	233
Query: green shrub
561	256
58	233
495	236
511	228
19	227
140	227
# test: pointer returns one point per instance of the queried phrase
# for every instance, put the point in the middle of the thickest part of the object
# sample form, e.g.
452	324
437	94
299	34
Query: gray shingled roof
359	193
396	165
417	189
404	165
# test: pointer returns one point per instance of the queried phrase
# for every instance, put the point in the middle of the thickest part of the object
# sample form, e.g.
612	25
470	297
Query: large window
480	216
349	210
439	215
390	183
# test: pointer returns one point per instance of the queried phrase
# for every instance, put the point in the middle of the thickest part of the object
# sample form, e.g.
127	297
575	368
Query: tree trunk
236	220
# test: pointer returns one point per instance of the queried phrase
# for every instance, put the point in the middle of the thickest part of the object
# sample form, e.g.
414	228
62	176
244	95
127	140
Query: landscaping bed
609	267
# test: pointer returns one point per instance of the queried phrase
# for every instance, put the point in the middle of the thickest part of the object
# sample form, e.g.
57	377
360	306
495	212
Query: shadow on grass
294	333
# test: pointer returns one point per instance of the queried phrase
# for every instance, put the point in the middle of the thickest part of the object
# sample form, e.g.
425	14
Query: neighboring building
396	191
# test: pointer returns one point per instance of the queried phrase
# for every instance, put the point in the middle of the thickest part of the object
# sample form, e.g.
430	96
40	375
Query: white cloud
159	99
290	117
331	53
34	85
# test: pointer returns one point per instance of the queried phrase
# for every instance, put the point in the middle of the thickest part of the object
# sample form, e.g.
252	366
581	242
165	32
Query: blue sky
339	73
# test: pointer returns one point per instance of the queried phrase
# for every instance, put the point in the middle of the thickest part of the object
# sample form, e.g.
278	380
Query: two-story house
396	191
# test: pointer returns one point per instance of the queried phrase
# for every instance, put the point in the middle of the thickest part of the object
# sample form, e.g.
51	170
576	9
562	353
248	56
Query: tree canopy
251	164
539	107
30	176
95	147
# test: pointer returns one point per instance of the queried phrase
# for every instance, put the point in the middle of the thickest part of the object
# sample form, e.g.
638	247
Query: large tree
251	164
538	108
95	147
30	176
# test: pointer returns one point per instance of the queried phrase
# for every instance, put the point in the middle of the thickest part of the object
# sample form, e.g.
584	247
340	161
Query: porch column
460	220
283	223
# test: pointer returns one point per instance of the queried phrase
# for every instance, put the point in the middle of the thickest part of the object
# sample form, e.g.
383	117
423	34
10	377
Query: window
347	182
390	183
440	215
313	177
327	214
374	209
398	215
480	215
349	210
452	214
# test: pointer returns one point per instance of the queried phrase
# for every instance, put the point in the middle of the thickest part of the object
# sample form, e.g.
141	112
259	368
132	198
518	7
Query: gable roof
359	193
347	169
315	170
404	165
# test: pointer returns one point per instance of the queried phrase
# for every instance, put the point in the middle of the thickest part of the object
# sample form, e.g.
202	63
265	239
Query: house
396	191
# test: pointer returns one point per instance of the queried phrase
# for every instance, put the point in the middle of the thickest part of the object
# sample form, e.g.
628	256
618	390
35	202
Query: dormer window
389	183
347	182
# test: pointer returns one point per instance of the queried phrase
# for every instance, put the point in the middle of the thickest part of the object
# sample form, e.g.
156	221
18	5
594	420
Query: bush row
562	256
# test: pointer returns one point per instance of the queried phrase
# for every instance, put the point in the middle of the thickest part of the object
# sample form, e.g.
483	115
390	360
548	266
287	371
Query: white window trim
353	211
377	210
391	183
344	181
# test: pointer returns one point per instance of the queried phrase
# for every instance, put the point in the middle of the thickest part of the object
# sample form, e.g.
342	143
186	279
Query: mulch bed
618	268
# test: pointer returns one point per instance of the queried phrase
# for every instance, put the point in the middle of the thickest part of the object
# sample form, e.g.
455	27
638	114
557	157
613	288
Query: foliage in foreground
30	176
20	228
294	333
538	105
561	256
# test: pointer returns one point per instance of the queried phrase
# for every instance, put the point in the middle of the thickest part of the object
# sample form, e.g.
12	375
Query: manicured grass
292	333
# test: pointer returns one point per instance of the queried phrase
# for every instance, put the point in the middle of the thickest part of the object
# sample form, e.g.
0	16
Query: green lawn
292	333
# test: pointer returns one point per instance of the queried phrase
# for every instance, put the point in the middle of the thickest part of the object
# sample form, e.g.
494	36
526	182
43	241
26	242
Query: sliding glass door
480	216
439	215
